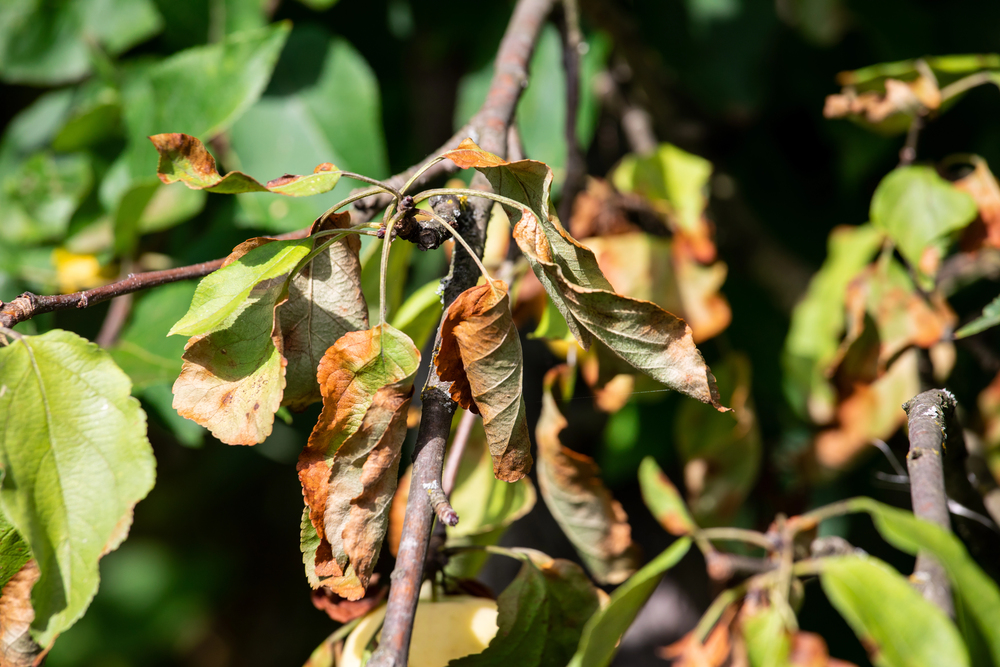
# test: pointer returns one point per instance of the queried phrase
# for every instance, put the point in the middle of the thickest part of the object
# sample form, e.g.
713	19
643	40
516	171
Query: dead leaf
341	609
480	355
689	652
17	648
581	504
233	378
349	467
600	210
809	650
875	106
983	186
325	301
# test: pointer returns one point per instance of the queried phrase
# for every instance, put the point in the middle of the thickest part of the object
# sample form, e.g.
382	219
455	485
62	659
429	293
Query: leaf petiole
468	192
458	237
419	173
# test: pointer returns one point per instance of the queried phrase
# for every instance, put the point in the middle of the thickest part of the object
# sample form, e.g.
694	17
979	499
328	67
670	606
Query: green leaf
224	293
898	627
14	553
818	321
978	593
160	398
989	318
46	43
541	615
768	642
649	338
143	350
420	314
399	261
605	629
184	158
76	461
306	119
663	499
918	209
41	194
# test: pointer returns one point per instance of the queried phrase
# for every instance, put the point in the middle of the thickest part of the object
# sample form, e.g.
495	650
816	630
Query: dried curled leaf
643	334
325	301
581	504
897	97
233	378
17	648
184	158
480	355
982	185
349	467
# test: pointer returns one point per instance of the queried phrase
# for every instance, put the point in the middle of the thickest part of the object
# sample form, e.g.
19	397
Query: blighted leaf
604	630
918	209
348	468
223	294
233	377
17	648
663	499
480	355
643	334
541	615
581	504
908	98
184	158
871	411
982	185
988	319
76	461
325	301
688	651
895	623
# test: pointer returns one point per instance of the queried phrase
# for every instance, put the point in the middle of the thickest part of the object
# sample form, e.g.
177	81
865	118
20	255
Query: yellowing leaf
184	158
78	272
480	355
643	334
349	467
580	503
325	301
233	378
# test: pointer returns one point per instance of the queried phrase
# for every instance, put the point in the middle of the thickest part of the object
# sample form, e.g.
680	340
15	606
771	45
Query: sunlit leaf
895	623
605	628
325	301
988	319
541	615
348	469
480	355
581	504
76	461
663	499
643	334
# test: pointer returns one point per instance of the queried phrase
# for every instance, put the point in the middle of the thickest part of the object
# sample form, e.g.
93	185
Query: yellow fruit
450	628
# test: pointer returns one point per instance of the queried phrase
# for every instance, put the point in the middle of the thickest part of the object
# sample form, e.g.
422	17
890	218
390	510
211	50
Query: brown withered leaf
17	648
600	210
342	610
233	378
581	504
480	355
899	97
325	301
983	186
349	467
809	650
689	652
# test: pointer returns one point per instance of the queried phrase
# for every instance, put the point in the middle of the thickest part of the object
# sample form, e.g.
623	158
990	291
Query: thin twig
458	444
927	414
576	166
908	153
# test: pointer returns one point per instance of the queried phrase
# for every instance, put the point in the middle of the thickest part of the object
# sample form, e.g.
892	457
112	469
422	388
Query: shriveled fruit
444	630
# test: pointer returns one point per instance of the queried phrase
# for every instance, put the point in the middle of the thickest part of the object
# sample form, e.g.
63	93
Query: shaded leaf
647	337
399	261
989	318
541	615
894	622
184	158
325	301
663	499
581	504
69	490
419	315
918	209
605	628
223	294
480	354
17	648
349	467
41	194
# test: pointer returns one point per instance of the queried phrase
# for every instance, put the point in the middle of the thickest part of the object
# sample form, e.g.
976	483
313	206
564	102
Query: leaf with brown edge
325	301
643	334
349	467
581	504
480	355
233	378
184	158
17	648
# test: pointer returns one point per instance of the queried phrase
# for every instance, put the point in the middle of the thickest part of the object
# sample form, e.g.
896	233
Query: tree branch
927	414
489	127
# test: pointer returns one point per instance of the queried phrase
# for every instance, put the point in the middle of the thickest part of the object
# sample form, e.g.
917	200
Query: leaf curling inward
325	301
348	468
649	338
233	377
581	504
480	355
184	158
